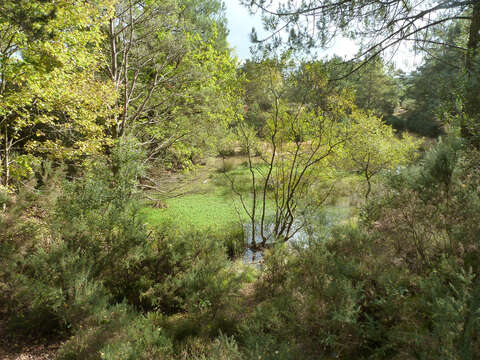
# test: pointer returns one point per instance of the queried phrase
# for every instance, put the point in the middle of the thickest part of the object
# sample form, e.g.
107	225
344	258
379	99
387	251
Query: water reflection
307	228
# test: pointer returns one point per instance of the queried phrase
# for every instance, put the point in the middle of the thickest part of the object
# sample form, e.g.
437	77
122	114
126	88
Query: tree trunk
6	167
369	188
471	124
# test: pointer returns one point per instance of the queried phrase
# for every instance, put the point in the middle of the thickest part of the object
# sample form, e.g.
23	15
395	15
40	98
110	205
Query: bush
423	123
54	291
227	166
64	273
234	240
187	271
396	122
309	303
400	285
221	348
117	332
24	232
426	221
95	251
4	196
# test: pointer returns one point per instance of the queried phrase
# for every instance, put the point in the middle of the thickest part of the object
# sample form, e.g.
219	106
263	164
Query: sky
240	24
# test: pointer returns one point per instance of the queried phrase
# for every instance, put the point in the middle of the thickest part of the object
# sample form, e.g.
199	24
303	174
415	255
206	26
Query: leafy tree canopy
41	57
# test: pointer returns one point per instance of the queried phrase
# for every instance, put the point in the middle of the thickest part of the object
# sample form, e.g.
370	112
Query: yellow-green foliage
51	100
373	146
202	105
94	251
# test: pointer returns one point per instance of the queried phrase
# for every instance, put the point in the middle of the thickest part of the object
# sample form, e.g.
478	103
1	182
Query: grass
210	210
209	202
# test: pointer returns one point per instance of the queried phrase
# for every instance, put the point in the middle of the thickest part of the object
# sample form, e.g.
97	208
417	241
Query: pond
314	228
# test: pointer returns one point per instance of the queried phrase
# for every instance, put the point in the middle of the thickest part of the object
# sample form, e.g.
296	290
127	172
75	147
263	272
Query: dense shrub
94	251
396	122
55	278
401	284
221	348
182	271
24	232
428	220
117	332
310	304
351	298
423	123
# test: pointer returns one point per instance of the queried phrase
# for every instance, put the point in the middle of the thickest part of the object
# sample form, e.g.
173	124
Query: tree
259	78
309	85
168	61
429	107
196	113
383	26
51	101
208	19
143	50
374	85
376	88
373	147
299	142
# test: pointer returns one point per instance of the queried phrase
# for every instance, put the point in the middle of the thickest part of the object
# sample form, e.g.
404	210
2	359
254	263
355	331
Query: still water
313	228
